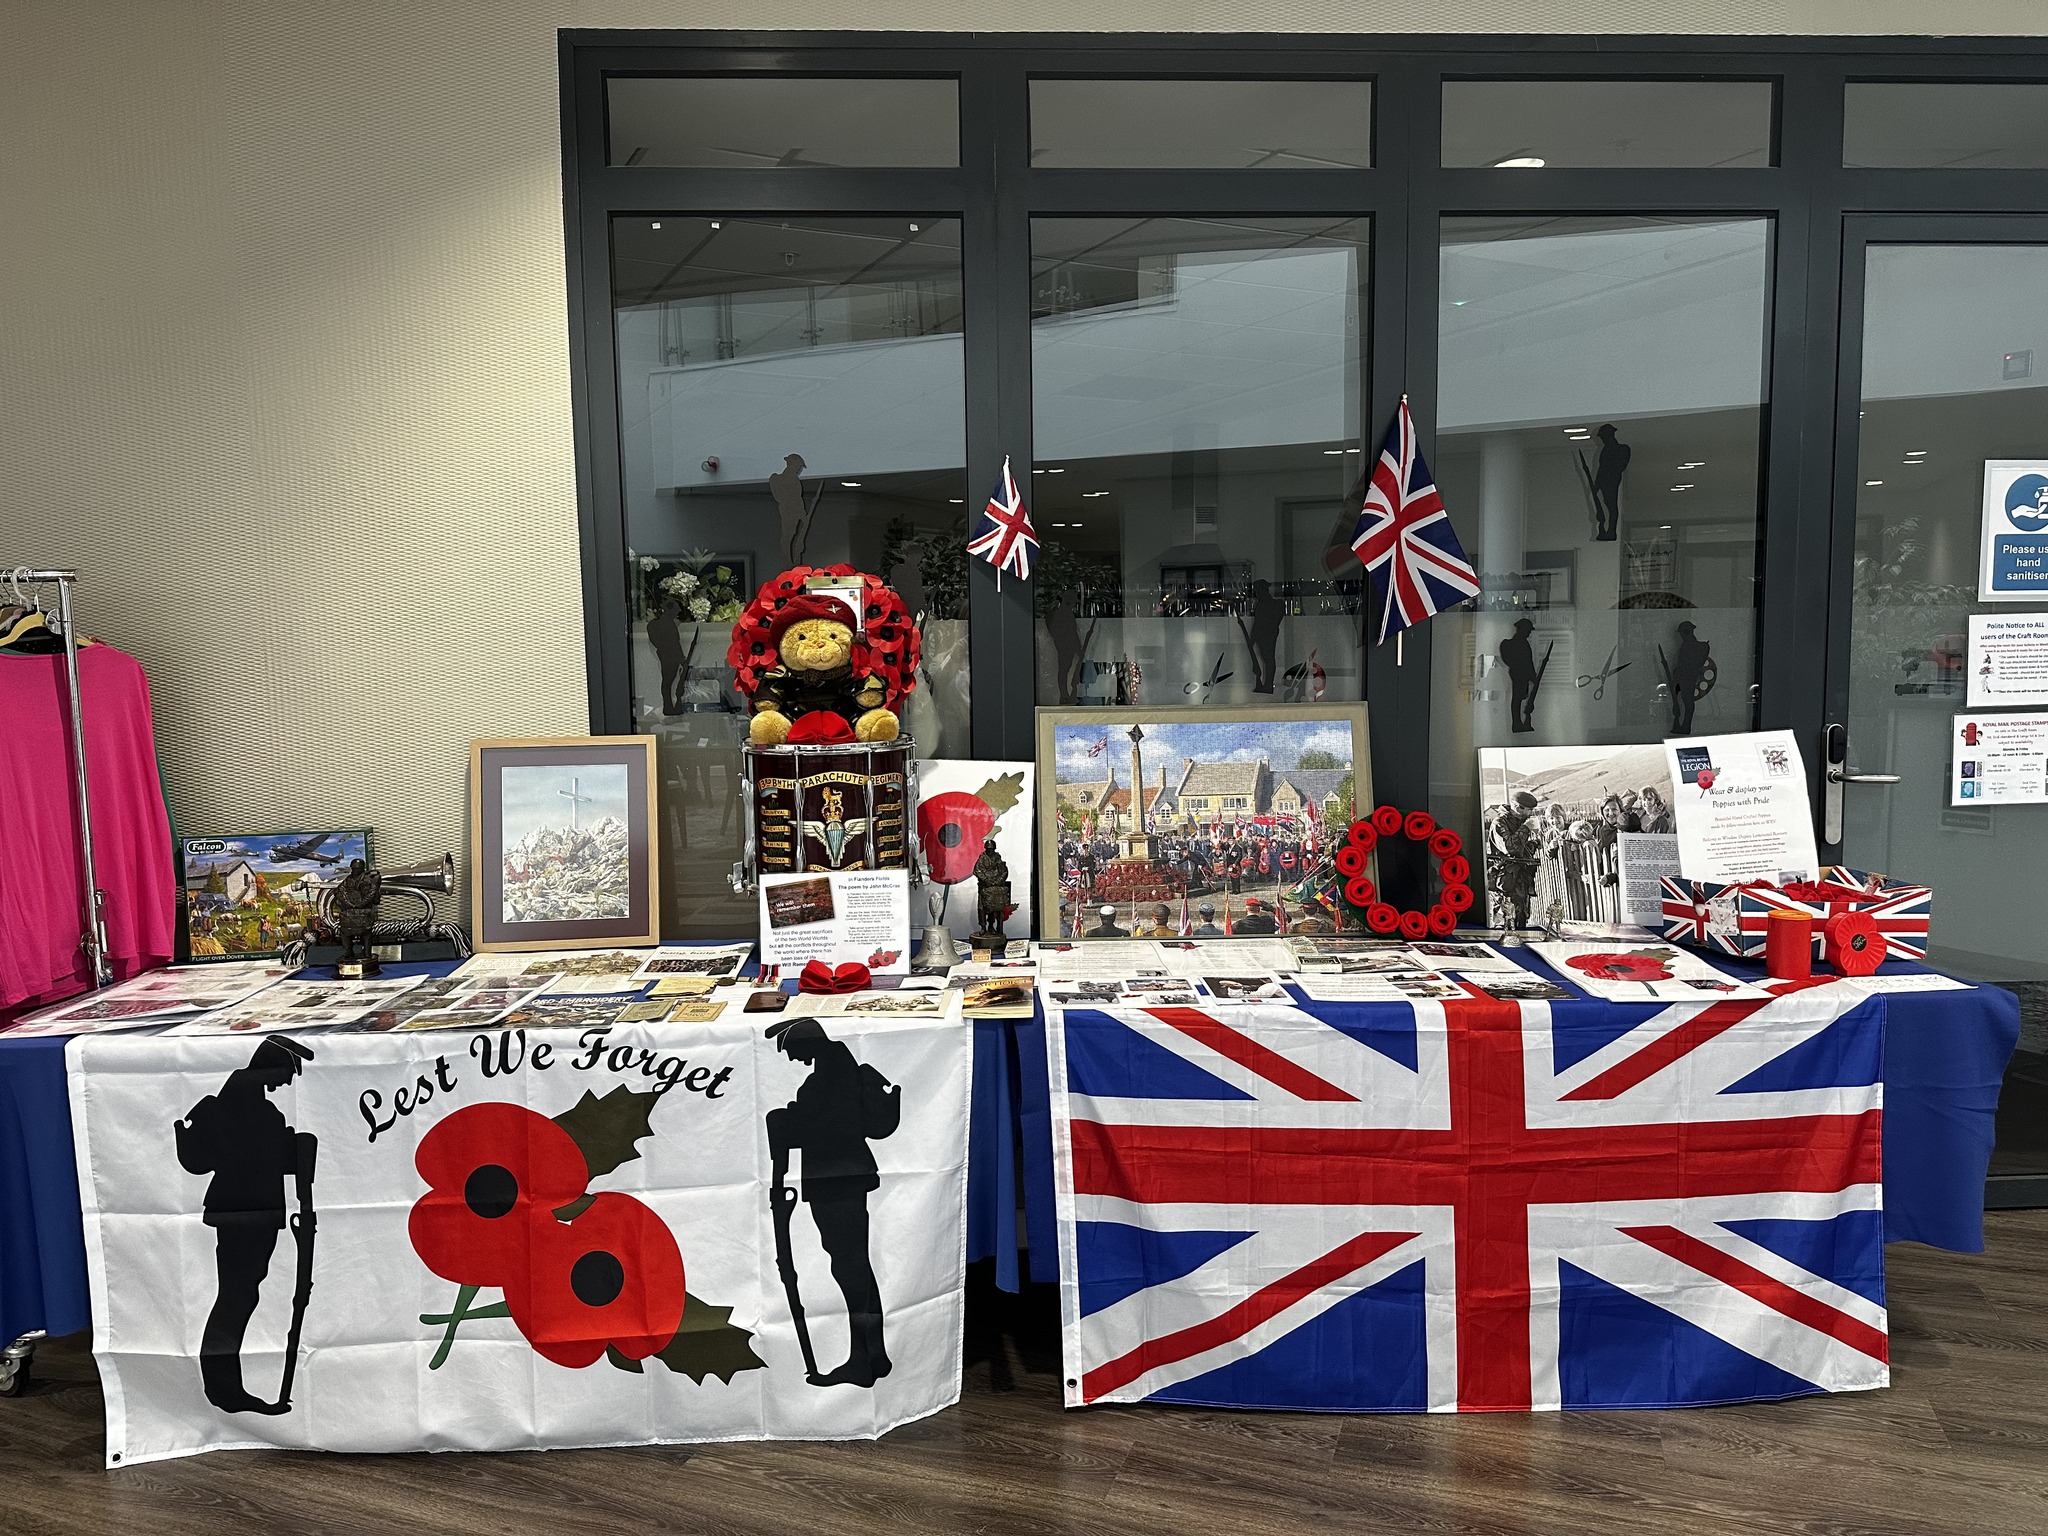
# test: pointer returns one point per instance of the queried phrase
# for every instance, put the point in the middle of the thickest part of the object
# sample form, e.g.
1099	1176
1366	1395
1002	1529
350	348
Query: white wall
284	363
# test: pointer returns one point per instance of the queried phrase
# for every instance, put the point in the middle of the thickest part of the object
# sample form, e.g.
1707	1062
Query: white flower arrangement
700	608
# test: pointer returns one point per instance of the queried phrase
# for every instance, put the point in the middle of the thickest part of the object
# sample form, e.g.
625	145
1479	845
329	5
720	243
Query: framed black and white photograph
561	842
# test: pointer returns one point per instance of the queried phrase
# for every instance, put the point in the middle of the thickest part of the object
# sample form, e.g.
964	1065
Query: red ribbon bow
817	976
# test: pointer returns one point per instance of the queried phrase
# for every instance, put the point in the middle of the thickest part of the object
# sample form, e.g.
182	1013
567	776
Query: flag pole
1401	634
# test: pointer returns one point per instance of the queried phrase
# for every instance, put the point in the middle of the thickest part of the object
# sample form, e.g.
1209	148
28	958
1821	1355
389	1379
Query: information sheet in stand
2008	659
1645	859
838	916
1742	807
1999	760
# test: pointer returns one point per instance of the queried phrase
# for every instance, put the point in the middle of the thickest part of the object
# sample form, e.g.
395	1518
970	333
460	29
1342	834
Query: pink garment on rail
42	905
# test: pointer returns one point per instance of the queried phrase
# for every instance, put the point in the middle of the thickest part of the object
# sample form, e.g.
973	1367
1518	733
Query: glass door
1951	376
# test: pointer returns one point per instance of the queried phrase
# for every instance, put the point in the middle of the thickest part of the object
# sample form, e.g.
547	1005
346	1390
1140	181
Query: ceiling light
957	501
714	223
1077	525
1091	495
851	485
1916	453
1663	527
1055	471
1873	482
657	224
1459	303
1333	453
1684	487
913	229
1519	163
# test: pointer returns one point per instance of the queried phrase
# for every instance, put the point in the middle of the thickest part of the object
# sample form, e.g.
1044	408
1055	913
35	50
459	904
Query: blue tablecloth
42	1236
1944	1058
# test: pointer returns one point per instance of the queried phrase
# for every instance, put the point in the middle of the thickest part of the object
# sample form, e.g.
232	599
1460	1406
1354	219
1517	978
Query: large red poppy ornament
952	825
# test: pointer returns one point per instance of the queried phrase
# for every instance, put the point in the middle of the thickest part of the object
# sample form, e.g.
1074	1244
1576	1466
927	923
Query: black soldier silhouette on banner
1603	483
1519	657
244	1141
841	1107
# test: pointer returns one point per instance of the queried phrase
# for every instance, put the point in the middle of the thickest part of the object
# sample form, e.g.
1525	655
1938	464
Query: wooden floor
1959	1444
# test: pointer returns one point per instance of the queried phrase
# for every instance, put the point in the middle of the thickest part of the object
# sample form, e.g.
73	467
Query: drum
843	805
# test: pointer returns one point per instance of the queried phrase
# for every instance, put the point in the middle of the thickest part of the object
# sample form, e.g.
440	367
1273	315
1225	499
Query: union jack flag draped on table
1004	537
1470	1204
1404	536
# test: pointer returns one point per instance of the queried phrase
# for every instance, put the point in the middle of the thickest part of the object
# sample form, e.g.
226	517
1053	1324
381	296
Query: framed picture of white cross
561	842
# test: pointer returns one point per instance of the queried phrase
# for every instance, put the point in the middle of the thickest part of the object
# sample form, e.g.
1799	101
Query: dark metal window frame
1814	202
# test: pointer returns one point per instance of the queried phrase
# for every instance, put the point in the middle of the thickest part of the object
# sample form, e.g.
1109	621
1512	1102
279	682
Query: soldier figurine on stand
992	896
355	914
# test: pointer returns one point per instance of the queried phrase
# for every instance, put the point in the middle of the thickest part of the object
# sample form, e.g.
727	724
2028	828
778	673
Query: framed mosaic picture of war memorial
1195	823
561	843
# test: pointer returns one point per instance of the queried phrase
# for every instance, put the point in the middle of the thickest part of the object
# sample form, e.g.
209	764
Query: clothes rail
94	905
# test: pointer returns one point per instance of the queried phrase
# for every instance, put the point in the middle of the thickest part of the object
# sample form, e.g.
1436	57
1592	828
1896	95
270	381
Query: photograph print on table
1198	823
561	842
1551	819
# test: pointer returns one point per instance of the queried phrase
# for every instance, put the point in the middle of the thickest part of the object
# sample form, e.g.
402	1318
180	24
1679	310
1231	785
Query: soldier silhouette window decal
1603	482
251	1151
839	1108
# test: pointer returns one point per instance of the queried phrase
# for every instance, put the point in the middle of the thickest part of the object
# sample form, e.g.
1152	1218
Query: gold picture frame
556	886
1239	795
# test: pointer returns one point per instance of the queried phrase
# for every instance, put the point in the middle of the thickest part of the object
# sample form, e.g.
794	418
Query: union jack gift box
1732	918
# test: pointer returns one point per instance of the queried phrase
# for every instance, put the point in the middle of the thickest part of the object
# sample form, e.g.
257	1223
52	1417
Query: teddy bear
813	692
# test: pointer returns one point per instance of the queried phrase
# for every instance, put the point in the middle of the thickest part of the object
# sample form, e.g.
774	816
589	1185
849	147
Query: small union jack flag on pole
1005	537
1404	536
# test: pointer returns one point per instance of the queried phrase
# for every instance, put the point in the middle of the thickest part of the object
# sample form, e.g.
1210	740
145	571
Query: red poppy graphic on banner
585	1276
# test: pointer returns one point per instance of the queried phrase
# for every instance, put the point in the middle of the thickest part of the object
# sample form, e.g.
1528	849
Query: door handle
1836	772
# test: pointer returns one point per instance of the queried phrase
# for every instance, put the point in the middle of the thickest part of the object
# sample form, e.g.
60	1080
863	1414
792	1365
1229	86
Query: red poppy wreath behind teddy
808	675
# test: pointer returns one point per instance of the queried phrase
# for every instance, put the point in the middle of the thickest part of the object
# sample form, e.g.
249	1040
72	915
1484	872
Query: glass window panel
1196	395
790	392
1907	125
1662	123
757	122
1955	373
1229	124
1598	439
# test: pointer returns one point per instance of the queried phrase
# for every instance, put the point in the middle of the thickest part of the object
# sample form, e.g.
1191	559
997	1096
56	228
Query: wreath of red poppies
888	645
1453	870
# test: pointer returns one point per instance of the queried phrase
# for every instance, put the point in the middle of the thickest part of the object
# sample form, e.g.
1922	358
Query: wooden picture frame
1230	744
580	886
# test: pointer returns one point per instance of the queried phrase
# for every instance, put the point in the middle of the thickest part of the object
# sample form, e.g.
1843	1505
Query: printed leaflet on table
300	1005
1643	973
153	998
